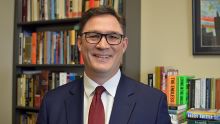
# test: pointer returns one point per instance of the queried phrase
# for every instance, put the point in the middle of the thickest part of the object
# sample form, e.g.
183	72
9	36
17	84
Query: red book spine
91	3
34	48
24	10
217	94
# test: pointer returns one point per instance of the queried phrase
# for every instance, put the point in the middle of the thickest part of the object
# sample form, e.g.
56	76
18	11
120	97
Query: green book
182	89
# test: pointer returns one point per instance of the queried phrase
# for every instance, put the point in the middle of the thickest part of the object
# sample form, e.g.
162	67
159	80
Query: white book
20	56
29	10
62	9
34	10
116	4
46	10
63	78
197	93
203	93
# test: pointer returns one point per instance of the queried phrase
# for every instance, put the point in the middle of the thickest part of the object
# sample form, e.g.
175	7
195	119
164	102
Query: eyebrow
108	32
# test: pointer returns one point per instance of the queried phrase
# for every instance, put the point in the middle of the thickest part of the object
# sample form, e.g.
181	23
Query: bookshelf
131	10
190	99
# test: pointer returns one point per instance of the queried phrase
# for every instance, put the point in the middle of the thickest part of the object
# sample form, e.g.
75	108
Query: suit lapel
74	104
124	102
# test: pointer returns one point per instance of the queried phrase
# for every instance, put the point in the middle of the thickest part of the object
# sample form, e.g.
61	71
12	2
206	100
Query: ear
125	44
79	43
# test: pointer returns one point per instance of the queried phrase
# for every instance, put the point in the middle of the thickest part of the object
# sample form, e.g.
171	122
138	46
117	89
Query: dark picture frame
206	27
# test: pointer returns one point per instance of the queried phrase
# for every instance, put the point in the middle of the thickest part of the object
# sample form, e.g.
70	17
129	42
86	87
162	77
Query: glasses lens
92	37
113	38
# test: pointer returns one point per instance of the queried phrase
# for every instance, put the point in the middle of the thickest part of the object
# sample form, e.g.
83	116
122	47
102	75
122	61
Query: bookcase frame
131	59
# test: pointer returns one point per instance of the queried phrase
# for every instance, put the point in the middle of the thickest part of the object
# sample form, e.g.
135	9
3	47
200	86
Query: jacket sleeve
163	115
42	115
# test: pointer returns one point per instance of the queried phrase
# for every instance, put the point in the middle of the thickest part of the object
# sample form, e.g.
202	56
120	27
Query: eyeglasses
111	38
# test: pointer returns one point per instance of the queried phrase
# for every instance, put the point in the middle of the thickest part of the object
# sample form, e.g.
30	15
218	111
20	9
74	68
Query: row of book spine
35	10
188	91
185	89
28	118
116	4
33	85
204	93
49	47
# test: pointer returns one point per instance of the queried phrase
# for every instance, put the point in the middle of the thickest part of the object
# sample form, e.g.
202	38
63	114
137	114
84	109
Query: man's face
102	58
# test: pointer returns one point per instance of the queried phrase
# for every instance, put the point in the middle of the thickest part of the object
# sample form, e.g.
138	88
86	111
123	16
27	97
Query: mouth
100	56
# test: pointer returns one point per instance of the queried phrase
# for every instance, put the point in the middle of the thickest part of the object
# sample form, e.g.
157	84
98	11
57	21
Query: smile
102	56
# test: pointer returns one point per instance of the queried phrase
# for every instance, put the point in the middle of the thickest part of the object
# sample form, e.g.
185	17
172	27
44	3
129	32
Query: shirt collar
110	85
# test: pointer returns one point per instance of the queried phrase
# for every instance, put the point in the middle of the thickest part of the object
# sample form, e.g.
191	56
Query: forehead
103	23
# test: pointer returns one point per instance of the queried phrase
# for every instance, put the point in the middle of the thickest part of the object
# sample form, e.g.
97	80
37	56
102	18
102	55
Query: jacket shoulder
64	91
144	90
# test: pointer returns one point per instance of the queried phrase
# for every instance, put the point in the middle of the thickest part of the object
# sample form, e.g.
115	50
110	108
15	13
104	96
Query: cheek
119	53
85	50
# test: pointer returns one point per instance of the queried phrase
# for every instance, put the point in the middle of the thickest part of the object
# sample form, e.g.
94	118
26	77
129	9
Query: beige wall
166	39
6	39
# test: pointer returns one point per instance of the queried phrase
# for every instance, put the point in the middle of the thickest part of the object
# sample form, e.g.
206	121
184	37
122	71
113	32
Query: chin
102	69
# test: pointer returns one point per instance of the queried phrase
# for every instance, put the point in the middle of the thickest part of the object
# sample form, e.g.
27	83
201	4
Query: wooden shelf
30	109
49	65
67	21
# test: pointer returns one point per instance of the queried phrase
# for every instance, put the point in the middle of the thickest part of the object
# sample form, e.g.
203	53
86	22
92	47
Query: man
102	42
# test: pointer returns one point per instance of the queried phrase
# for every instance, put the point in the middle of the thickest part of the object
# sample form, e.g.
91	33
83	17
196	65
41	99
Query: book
197	93
158	76
208	93
176	117
170	111
150	79
182	95
213	93
195	121
171	89
34	48
28	118
177	107
203	93
217	97
191	103
206	114
27	44
183	121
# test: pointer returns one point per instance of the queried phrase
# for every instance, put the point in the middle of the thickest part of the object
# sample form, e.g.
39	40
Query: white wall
6	39
166	39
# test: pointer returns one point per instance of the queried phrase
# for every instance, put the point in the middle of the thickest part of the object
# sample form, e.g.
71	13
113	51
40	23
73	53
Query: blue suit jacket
134	103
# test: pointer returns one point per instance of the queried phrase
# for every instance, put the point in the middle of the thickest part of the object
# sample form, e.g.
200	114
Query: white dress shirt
107	96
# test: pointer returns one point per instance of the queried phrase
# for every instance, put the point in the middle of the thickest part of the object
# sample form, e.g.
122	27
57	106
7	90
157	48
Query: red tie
96	111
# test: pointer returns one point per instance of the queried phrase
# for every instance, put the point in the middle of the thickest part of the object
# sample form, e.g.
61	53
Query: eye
113	36
93	35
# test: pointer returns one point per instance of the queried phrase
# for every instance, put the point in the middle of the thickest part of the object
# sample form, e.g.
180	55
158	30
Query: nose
103	44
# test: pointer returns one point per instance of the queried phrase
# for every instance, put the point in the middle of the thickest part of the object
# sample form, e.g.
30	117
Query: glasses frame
105	35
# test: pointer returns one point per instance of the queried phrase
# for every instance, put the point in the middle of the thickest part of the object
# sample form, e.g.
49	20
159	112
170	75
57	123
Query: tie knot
99	90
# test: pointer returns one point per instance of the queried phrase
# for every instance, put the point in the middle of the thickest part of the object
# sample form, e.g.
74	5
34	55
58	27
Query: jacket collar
124	102
123	105
74	104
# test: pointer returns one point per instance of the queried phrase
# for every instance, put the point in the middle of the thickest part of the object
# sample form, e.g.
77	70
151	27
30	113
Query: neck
100	78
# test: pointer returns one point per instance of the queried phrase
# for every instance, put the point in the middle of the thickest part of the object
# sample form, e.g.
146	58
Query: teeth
102	56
